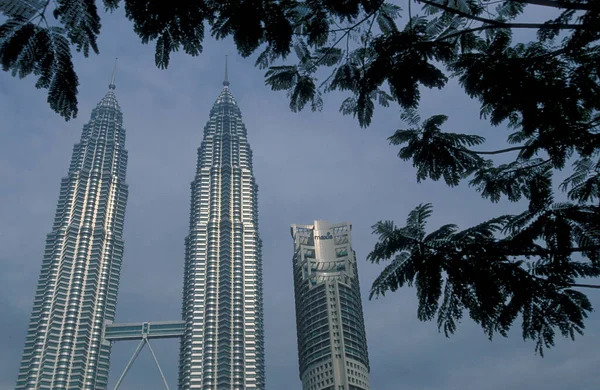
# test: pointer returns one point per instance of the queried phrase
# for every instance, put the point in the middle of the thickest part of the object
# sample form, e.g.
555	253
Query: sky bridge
143	331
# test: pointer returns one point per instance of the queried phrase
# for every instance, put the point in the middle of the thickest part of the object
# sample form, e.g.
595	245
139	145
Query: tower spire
112	79
226	80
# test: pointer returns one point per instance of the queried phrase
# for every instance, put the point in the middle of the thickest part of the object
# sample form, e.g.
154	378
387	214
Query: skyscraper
332	345
77	288
222	345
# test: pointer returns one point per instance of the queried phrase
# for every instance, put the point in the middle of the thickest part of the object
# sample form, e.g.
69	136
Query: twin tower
221	331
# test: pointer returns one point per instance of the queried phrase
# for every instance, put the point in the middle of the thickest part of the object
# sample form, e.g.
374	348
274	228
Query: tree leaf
328	56
398	273
436	154
282	77
26	48
364	109
25	9
62	92
81	21
163	51
303	92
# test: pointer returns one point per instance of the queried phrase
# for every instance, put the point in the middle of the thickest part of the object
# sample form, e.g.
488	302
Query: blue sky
308	166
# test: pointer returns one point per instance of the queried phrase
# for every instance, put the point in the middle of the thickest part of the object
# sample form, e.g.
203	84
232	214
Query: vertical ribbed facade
77	288
332	344
223	347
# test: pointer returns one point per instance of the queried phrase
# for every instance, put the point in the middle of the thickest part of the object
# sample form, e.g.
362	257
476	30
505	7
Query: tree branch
544	251
557	4
514	25
492	22
498	151
525	167
584	285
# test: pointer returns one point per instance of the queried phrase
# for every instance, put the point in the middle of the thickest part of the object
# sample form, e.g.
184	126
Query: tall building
332	345
77	288
222	345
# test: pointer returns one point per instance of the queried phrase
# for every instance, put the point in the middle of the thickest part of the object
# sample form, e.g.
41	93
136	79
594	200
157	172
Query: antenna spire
112	79
226	80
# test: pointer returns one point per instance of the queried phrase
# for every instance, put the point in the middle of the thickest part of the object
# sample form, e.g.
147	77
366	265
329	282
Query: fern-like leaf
163	51
328	56
62	92
303	92
281	77
364	109
386	18
111	5
81	22
348	106
25	9
398	273
436	154
264	59
28	49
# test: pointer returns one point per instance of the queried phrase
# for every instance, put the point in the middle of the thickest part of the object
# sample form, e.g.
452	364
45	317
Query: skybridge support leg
128	366
157	365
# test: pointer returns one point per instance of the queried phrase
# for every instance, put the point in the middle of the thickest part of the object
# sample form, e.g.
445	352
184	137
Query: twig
42	14
344	35
493	22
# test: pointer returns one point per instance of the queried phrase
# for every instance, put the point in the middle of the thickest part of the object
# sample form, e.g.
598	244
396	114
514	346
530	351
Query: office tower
332	346
222	345
77	288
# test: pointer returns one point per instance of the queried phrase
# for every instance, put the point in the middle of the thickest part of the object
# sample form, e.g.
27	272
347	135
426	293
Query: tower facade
77	289
332	345
222	345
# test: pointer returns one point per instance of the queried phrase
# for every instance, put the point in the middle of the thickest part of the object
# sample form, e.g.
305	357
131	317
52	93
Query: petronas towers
77	288
222	346
71	328
221	330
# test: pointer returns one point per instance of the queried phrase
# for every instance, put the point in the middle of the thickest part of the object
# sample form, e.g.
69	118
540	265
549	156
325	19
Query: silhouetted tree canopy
545	93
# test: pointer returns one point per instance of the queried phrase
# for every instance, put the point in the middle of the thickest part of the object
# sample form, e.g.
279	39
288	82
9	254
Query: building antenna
112	79
226	80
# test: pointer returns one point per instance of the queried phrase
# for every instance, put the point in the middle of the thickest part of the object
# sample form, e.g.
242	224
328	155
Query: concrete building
332	346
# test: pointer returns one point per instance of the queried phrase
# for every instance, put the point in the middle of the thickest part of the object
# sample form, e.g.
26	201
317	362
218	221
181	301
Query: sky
308	166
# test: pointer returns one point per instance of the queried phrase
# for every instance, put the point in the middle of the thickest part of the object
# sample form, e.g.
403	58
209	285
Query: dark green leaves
386	18
403	59
28	49
25	9
80	19
302	89
282	77
111	5
62	92
476	270
175	25
163	51
514	180
328	56
436	154
584	183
